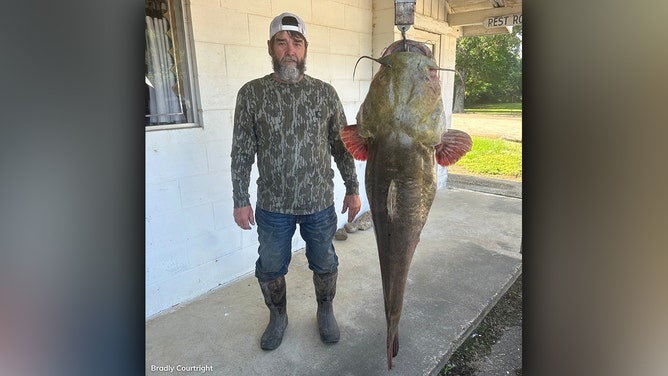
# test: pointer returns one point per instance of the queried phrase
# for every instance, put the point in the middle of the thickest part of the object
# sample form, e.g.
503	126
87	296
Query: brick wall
192	243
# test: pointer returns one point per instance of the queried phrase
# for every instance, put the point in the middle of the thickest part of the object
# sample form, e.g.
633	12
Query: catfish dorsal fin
355	143
453	146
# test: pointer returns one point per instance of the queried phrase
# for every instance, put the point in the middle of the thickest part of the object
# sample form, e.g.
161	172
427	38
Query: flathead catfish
400	129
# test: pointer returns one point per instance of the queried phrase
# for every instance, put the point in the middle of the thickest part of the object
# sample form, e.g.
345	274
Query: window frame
184	34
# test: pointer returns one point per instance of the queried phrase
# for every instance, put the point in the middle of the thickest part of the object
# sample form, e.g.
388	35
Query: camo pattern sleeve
293	131
244	146
344	160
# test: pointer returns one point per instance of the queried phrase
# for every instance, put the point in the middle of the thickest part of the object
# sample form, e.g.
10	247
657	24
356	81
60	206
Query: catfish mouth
408	45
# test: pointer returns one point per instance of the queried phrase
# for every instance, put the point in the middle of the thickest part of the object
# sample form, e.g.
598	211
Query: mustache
289	59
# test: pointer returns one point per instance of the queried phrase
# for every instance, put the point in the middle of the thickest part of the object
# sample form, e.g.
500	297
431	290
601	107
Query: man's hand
244	217
352	204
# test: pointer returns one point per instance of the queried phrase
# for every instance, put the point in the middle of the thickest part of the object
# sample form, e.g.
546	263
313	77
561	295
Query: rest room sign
503	21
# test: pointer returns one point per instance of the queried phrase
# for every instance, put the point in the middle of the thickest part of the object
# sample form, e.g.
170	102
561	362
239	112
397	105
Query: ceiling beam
477	17
477	30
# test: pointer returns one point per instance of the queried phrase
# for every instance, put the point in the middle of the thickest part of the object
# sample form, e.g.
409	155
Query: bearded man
290	122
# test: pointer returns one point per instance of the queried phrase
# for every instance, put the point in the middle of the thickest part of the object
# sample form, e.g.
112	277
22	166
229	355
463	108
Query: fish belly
400	185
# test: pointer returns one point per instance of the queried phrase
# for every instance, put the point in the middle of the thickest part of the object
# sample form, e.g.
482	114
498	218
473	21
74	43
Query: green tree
491	66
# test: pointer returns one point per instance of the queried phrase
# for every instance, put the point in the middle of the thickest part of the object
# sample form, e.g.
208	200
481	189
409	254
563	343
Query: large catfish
400	130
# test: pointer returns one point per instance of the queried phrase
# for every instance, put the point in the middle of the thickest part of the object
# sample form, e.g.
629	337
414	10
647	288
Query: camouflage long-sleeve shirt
294	131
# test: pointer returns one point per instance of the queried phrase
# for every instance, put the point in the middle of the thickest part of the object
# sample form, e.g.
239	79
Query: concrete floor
468	256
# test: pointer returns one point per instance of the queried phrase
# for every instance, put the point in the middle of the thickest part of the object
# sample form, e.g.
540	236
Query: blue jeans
275	233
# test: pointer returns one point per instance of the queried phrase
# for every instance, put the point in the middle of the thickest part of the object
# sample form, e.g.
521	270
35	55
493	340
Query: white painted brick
149	239
318	39
202	189
224	219
260	7
154	301
356	19
173	137
219	25
211	246
162	197
364	89
347	90
328	13
249	237
220	159
217	125
379	5
344	66
213	96
176	228
185	286
164	263
380	42
173	161
319	66
237	264
210	58
219	92
351	109
366	44
206	3
357	3
383	20
364	71
350	47
258	27
248	62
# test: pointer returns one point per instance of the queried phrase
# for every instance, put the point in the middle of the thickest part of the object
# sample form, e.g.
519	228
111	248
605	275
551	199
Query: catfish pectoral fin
453	146
356	144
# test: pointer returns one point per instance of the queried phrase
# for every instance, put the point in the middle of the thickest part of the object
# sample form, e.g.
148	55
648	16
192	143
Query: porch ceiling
469	15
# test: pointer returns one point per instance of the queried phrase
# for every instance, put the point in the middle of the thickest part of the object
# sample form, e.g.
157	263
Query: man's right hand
244	217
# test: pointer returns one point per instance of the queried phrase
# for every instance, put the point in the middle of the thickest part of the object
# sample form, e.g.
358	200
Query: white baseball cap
287	21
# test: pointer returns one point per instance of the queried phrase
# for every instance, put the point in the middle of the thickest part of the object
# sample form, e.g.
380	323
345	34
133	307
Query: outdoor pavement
468	256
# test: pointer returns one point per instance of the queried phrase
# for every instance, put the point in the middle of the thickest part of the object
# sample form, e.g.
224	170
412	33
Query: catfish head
404	105
404	97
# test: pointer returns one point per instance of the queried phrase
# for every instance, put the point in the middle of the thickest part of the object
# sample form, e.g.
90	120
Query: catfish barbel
400	130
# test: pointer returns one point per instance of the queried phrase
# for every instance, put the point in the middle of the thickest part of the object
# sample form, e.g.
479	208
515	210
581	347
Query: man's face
288	55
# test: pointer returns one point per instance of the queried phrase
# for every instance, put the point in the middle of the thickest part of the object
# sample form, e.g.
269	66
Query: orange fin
453	146
355	143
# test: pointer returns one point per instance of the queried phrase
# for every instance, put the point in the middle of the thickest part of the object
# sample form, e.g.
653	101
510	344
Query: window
169	74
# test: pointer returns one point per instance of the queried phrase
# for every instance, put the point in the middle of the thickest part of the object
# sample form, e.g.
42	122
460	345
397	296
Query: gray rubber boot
325	289
274	298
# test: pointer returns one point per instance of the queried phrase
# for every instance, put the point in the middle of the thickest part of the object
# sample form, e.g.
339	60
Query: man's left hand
352	204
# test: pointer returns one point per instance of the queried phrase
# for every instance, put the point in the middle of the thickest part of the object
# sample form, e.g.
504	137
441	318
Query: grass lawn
496	109
492	158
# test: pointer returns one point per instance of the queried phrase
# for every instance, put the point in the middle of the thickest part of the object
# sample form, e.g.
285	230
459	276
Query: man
291	122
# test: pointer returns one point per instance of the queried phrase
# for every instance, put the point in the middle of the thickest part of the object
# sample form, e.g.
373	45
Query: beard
288	72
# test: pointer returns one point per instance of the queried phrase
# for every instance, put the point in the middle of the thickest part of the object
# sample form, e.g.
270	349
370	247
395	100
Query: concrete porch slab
468	256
